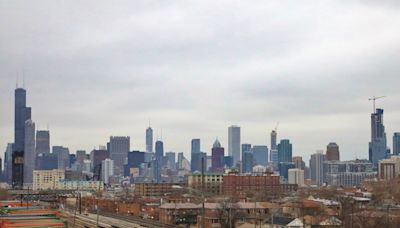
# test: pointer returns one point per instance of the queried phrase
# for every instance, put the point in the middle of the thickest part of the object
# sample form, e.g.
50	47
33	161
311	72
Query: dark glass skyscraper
285	151
377	145
217	157
42	142
332	152
396	143
22	114
159	159
195	155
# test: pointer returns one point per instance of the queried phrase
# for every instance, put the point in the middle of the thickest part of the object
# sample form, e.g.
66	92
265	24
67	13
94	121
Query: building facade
285	151
332	152
217	157
42	142
149	140
296	176
119	148
378	144
260	155
30	153
234	143
107	170
47	179
316	168
210	182
389	168
396	143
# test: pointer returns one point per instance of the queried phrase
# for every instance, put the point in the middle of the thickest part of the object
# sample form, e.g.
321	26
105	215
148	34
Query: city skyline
94	80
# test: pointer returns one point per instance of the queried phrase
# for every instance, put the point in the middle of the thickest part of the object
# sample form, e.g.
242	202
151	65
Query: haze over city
93	70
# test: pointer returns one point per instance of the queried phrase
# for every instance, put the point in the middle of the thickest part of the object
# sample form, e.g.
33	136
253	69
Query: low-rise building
156	189
47	179
210	182
389	168
296	176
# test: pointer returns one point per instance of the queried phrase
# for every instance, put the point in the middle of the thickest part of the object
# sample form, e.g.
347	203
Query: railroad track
139	221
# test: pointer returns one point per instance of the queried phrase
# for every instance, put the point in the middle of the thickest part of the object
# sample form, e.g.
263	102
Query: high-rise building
284	169
296	176
119	148
348	173
8	163
107	170
246	147
298	162
158	159
316	167
194	162
171	160
42	142
396	143
217	157
30	154
62	154
332	152
22	114
80	156
377	145
274	136
285	151
135	159
149	140
247	161
46	161
260	155
181	157
96	157
234	143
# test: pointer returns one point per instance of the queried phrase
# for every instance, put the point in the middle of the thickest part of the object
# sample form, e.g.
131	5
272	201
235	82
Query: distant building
46	161
47	179
96	157
296	176
156	189
30	153
234	143
347	173
210	182
22	114
228	161
171	160
119	148
217	157
260	155
62	154
389	168
246	147
195	150
241	185
285	151
298	162
316	167
332	152
396	143
107	170
135	159
149	140
158	159
42	142
377	145
247	162
284	169
8	163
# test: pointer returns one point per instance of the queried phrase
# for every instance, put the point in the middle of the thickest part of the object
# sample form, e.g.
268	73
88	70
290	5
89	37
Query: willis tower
22	114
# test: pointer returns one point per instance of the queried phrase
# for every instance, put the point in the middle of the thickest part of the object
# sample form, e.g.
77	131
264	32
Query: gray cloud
95	69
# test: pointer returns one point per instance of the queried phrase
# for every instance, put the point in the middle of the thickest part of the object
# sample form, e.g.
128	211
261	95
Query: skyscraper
42	142
119	148
30	154
316	167
62	154
171	160
246	147
378	145
234	143
195	151
96	157
8	163
217	157
285	151
149	140
396	143
247	161
159	159
22	114
274	158
332	152
107	170
260	155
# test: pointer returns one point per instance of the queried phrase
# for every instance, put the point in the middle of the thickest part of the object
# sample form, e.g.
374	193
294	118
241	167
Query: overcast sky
95	68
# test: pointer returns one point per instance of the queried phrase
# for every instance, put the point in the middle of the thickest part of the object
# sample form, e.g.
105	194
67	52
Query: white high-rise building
296	176
119	148
316	167
107	170
30	154
234	143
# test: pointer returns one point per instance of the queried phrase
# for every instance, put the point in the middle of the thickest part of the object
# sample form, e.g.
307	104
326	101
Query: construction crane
276	127
373	99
